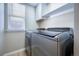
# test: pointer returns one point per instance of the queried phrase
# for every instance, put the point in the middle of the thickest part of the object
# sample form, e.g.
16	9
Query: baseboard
14	52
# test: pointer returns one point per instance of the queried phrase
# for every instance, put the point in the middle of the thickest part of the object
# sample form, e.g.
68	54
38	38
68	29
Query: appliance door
42	46
28	44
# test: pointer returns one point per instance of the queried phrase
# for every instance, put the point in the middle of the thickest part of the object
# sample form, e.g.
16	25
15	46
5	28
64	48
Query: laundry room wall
64	20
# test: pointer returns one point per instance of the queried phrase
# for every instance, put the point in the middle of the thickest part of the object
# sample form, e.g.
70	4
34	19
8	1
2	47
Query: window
16	23
16	17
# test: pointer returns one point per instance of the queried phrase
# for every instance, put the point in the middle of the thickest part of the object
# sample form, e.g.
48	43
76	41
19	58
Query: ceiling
31	4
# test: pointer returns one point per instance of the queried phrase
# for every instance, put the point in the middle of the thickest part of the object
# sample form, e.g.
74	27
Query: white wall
54	6
64	20
14	41
1	28
30	22
76	37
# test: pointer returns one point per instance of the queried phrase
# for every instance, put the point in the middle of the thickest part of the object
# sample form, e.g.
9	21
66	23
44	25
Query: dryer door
42	46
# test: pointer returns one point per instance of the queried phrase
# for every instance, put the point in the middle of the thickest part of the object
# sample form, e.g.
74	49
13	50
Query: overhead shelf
41	19
63	8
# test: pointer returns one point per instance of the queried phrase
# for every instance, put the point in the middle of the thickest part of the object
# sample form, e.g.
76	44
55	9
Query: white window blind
16	17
